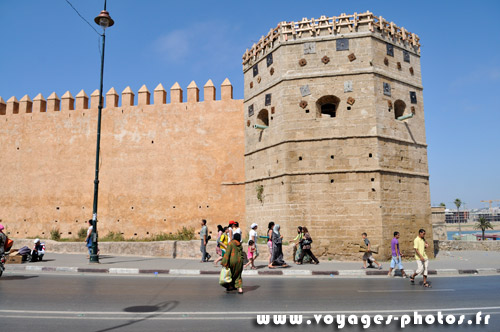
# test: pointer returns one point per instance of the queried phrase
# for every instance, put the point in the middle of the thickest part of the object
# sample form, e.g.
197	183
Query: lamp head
104	20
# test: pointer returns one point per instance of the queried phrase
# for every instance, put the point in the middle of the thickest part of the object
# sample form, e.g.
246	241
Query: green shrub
184	234
55	234
163	237
82	234
260	190
113	237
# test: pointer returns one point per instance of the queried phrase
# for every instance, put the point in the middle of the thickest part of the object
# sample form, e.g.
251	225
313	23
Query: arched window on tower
263	118
399	108
326	106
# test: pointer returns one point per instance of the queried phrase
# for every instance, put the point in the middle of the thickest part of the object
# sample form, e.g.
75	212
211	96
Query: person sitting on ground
368	253
38	251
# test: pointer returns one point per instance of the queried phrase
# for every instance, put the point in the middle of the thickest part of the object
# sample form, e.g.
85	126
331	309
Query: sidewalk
446	264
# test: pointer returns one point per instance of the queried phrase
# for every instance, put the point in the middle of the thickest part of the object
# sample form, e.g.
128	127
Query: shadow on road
18	277
250	288
154	309
104	257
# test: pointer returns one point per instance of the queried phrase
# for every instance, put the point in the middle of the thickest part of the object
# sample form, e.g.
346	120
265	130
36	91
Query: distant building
454	217
492	215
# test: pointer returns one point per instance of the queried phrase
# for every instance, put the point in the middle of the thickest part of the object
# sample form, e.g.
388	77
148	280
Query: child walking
368	254
251	254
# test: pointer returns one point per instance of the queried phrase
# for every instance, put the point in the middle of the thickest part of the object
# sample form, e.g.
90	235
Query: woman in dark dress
277	239
233	259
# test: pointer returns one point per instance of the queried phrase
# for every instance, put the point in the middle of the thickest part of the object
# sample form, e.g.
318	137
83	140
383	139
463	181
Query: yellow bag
225	276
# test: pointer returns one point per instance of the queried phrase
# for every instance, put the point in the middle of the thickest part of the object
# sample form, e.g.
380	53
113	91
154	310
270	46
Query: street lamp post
105	21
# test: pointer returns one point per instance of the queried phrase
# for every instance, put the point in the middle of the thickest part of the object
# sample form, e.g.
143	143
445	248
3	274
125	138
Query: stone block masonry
163	165
330	135
330	151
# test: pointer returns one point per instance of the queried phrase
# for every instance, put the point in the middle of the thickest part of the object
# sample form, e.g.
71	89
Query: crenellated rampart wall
162	166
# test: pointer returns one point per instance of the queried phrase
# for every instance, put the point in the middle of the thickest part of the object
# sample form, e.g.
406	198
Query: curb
286	273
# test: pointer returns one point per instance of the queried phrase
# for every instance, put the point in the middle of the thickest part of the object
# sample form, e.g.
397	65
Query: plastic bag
225	276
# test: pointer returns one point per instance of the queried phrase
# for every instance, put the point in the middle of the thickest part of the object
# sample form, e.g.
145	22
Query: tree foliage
483	225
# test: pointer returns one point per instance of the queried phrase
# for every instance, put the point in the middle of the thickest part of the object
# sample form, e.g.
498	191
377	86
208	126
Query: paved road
445	260
134	303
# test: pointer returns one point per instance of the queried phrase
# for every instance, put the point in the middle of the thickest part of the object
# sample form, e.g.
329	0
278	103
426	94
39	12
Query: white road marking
405	290
215	313
158	316
184	272
123	271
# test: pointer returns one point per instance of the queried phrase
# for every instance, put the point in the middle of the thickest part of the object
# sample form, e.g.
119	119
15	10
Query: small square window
387	89
406	56
390	49
255	70
268	99
343	44
269	59
413	97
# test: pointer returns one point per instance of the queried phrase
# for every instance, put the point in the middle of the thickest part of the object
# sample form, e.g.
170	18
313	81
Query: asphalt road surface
30	302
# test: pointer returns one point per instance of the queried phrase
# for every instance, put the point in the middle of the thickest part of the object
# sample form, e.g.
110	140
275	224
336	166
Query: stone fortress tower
335	133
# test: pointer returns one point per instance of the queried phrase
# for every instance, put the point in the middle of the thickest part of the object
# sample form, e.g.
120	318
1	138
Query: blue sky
46	47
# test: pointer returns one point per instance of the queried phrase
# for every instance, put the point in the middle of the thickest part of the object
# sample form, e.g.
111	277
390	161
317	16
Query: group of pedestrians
231	254
419	245
302	252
